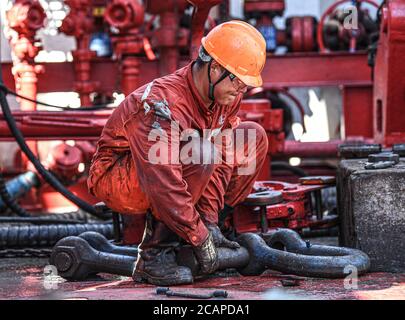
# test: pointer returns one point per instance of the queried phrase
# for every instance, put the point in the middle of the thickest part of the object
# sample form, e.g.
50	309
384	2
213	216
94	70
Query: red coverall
181	196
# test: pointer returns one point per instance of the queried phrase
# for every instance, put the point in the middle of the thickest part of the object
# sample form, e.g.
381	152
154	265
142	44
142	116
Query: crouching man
142	165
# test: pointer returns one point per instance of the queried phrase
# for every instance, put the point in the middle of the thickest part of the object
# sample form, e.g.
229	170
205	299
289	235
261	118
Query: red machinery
372	96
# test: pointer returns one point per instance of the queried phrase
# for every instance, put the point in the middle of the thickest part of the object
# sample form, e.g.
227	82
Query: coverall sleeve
163	183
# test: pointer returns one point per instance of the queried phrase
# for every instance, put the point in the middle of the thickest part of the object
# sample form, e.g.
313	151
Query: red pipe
48	125
327	149
26	17
200	14
284	91
169	53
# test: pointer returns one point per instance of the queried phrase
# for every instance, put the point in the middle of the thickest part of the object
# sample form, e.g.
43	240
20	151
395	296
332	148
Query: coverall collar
195	92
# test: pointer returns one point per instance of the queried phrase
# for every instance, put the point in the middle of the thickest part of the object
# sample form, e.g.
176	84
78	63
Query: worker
183	199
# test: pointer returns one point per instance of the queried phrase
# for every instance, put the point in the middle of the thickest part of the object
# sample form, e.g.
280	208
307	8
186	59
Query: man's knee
250	126
252	130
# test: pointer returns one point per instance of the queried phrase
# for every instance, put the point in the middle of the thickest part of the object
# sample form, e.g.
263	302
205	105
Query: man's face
227	90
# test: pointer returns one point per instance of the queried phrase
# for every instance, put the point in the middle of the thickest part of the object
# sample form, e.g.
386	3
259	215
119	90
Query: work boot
156	263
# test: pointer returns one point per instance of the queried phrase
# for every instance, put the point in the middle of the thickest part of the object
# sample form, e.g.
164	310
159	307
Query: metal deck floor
28	278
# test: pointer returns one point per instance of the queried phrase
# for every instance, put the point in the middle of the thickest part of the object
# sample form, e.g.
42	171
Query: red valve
26	16
124	14
327	13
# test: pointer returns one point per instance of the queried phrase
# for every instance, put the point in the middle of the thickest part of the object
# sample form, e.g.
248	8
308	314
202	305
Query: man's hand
207	255
219	239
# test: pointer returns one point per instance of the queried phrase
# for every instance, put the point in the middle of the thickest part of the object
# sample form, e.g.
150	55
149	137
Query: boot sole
145	278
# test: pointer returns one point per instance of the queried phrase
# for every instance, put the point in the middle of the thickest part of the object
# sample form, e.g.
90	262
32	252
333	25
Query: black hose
10	201
75	215
82	108
47	236
46	175
38	220
278	165
46	218
379	12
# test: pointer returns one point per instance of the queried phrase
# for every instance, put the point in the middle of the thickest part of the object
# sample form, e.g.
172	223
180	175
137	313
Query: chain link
25	253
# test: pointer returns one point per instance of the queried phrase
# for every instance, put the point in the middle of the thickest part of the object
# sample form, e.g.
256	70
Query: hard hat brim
251	81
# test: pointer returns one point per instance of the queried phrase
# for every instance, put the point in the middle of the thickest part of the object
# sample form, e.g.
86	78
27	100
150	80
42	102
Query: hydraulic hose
47	236
46	175
80	215
10	201
27	180
38	220
63	108
278	165
17	187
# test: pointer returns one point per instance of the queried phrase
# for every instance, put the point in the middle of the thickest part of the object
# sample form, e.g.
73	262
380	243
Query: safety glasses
238	84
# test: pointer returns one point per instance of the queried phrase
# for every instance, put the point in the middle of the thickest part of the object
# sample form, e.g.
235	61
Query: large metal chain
25	253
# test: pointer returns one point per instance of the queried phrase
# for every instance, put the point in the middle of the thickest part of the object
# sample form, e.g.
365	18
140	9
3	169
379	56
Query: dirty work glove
219	239
207	255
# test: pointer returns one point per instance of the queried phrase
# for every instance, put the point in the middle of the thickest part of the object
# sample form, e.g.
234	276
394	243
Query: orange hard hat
238	47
